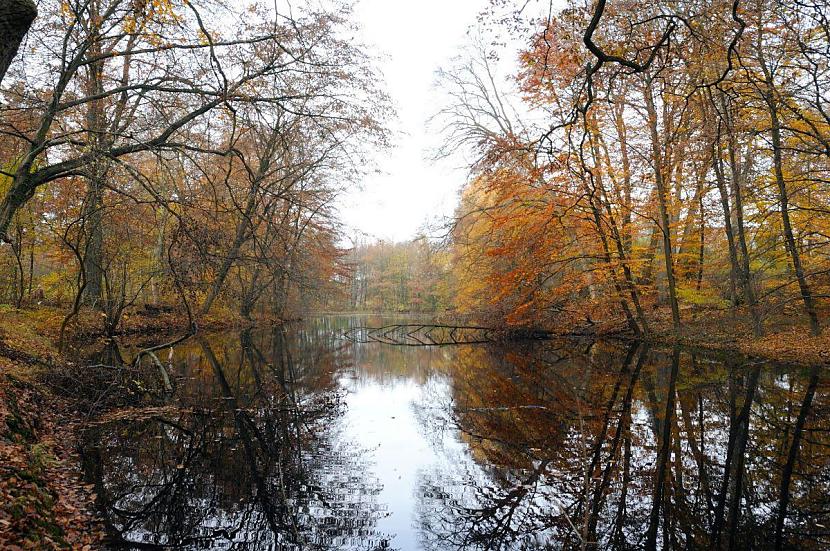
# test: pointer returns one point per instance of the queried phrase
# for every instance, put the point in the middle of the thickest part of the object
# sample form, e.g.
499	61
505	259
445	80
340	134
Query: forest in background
382	276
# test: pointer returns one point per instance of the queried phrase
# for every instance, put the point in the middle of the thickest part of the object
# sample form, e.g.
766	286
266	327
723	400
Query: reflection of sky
380	413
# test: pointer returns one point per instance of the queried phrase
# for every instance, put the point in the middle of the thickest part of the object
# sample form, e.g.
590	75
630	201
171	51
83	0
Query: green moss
702	297
34	505
30	500
41	458
19	428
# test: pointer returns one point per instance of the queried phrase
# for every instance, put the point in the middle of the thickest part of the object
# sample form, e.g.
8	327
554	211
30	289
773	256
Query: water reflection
604	448
254	459
298	440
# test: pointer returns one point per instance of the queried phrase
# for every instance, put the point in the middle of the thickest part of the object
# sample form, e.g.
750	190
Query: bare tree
118	78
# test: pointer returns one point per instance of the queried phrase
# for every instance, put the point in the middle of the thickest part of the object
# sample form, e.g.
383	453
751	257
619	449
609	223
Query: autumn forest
645	189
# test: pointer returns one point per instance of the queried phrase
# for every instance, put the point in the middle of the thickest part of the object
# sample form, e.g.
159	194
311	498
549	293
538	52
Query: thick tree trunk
95	179
14	199
16	16
94	250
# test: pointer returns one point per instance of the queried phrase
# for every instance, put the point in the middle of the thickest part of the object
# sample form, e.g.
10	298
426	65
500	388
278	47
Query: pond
294	438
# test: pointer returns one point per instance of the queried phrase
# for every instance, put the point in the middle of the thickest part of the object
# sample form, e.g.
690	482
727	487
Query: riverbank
786	339
44	501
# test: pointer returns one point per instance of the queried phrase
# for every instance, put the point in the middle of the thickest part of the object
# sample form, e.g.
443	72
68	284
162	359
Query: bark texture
16	16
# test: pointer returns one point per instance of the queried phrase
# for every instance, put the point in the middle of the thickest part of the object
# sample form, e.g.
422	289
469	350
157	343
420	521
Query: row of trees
180	152
658	154
393	277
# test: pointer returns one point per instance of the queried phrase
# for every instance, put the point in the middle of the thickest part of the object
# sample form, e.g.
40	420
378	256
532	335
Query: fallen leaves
43	501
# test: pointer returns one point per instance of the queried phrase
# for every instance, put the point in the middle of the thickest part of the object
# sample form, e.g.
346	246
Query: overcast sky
417	38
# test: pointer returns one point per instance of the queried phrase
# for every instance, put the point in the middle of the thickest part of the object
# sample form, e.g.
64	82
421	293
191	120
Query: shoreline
786	340
45	503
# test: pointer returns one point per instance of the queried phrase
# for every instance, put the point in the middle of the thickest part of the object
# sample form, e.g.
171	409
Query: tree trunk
232	254
693	214
784	203
628	278
727	227
702	249
738	175
94	250
662	202
619	123
14	199
96	173
16	16
769	96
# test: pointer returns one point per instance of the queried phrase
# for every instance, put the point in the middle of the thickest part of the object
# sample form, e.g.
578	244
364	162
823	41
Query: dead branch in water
439	335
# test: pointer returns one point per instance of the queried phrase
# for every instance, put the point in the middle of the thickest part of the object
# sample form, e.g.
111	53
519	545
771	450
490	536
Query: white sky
417	38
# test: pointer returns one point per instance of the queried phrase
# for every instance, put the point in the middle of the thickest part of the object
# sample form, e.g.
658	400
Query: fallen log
440	335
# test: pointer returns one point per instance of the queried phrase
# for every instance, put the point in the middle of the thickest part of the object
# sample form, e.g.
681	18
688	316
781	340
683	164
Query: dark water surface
296	439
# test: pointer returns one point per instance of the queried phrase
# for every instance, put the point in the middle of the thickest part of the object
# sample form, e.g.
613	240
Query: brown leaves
43	502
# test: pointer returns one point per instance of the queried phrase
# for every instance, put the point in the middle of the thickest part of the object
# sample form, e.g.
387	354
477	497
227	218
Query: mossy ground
43	501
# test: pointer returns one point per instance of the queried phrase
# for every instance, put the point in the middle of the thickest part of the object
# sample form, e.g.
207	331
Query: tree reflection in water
253	461
283	442
585	448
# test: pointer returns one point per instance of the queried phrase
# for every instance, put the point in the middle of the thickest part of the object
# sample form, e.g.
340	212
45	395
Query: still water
293	438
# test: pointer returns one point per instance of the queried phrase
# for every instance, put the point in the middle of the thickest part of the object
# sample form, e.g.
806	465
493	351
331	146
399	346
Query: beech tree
657	140
184	152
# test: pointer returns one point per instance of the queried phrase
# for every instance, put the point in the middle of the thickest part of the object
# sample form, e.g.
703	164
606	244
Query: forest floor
786	339
44	501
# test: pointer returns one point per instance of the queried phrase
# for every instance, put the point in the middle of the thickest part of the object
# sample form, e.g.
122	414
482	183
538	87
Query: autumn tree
655	138
185	153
